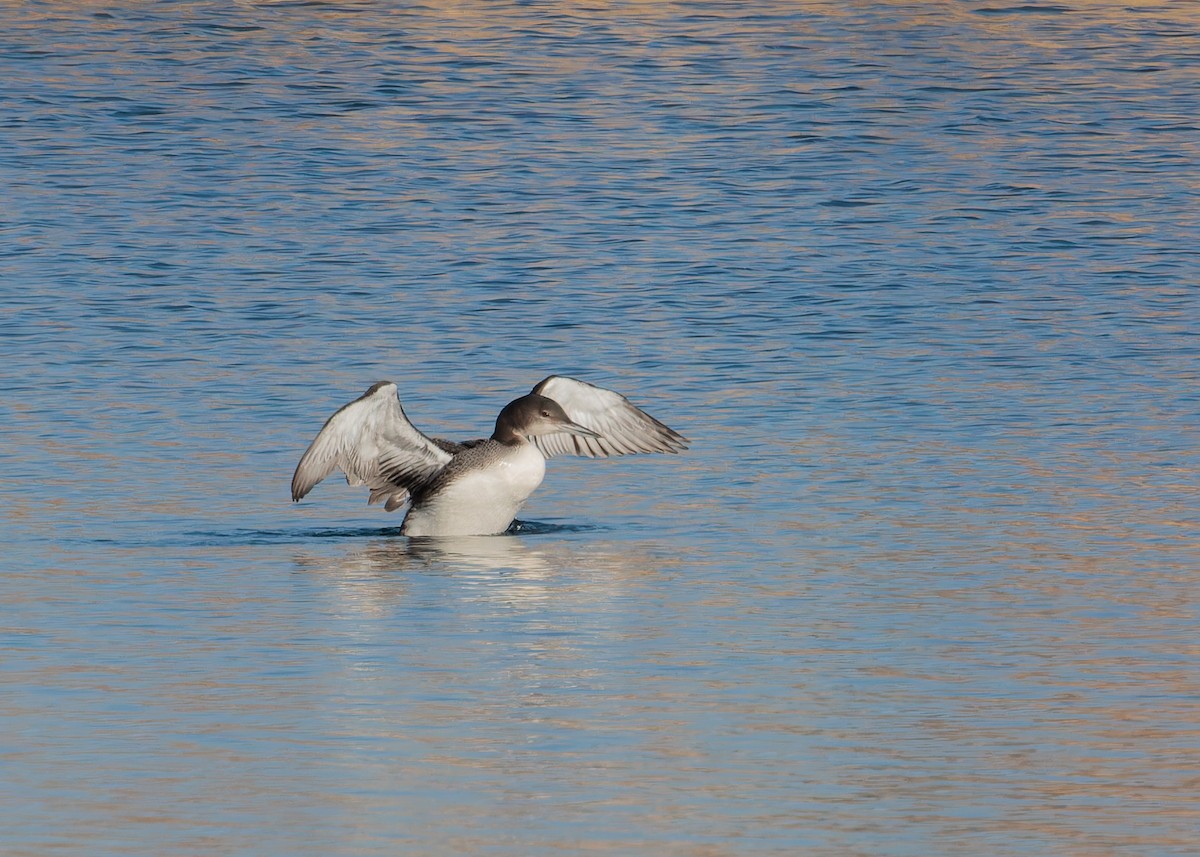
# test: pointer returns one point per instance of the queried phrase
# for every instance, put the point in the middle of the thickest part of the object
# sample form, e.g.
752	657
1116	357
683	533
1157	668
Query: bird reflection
378	574
489	553
445	574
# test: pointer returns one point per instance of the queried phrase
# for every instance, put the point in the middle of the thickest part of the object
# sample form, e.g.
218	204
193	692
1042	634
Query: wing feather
623	428
374	444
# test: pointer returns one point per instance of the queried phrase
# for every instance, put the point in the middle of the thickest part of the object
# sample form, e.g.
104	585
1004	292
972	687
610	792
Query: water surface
917	279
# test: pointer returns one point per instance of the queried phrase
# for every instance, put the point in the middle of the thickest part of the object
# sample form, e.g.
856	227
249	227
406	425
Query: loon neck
506	435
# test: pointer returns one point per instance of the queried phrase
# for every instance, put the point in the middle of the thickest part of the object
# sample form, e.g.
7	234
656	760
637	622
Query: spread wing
374	444
622	427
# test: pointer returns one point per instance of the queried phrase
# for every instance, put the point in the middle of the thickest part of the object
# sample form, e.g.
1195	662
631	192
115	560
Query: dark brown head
533	415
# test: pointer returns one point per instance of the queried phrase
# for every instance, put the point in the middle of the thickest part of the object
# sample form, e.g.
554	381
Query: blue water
918	280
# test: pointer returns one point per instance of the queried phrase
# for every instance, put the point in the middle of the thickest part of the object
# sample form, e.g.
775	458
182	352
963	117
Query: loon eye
545	413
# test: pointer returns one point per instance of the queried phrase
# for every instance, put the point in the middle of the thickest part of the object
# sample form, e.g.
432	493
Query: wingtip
376	387
295	483
299	487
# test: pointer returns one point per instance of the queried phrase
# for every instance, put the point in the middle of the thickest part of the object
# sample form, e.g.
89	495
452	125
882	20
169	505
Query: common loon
475	487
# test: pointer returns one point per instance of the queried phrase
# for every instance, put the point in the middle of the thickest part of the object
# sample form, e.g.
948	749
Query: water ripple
920	279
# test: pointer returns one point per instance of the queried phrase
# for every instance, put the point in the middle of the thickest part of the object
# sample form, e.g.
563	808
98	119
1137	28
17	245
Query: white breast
482	500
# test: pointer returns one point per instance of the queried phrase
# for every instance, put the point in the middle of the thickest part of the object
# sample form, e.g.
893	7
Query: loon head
533	415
